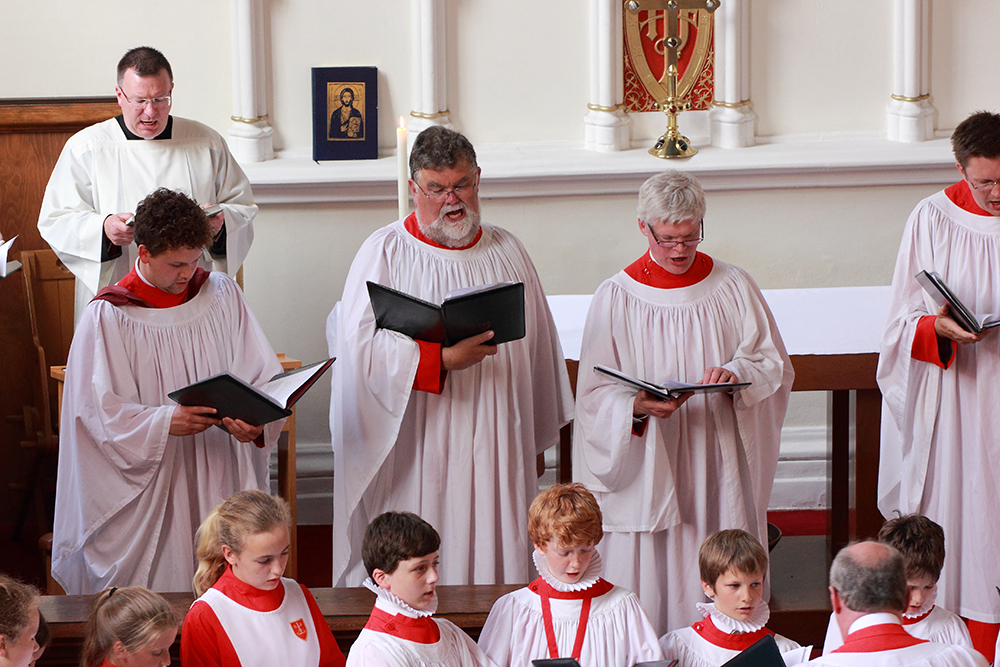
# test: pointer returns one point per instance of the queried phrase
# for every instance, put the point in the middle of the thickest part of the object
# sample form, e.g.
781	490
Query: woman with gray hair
666	481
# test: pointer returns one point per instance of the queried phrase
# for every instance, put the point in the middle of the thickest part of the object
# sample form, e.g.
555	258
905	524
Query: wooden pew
346	611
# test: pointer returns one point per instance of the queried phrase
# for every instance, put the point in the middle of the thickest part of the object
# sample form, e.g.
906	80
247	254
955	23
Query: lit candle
404	204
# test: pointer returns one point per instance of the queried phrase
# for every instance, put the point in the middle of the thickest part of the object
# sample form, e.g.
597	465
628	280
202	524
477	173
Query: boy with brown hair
732	564
921	542
568	611
400	553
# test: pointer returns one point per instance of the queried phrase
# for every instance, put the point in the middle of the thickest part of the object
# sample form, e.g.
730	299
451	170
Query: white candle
404	204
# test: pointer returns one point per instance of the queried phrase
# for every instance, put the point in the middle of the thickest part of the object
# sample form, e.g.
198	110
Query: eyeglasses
441	194
141	103
983	185
673	243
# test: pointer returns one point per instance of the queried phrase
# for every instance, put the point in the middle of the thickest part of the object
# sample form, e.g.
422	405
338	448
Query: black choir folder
762	653
233	397
934	284
669	390
465	312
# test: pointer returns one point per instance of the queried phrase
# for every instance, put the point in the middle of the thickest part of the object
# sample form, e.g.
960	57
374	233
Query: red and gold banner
645	58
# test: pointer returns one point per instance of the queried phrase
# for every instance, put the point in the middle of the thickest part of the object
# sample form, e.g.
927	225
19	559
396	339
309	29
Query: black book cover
500	308
762	653
234	398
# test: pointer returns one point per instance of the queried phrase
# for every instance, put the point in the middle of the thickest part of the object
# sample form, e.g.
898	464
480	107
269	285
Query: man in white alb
106	169
868	595
138	473
449	433
939	380
669	473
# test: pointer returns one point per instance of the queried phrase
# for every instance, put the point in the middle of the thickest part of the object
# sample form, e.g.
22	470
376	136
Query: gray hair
870	582
671	197
437	147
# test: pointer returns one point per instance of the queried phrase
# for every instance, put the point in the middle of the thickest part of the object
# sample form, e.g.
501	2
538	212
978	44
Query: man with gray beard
449	433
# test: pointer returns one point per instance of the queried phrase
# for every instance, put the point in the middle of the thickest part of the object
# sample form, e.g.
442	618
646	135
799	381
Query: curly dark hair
437	147
977	136
145	60
168	220
393	537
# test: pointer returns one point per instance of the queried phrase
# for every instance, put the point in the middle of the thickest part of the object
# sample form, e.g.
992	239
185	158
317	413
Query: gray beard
449	234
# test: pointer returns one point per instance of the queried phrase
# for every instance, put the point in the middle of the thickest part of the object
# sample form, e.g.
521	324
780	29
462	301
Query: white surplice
463	460
711	464
870	643
129	496
454	648
101	172
944	465
617	631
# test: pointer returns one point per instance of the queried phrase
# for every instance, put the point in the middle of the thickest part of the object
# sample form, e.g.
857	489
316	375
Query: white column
732	118
909	114
430	91
606	125
250	137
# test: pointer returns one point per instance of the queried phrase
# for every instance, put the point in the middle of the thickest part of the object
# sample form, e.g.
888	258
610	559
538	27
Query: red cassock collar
883	637
960	195
646	271
707	630
419	630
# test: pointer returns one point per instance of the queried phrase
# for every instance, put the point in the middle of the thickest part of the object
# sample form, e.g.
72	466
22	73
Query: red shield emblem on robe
299	628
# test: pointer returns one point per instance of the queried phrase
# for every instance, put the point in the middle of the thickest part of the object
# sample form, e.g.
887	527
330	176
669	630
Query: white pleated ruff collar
733	626
589	578
393	605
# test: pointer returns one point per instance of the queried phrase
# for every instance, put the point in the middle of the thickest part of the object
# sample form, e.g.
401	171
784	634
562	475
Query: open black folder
670	390
233	397
934	284
464	313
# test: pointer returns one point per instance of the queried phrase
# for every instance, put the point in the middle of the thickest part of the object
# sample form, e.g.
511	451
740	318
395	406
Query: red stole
413	227
419	630
646	271
734	642
541	588
133	291
960	195
883	637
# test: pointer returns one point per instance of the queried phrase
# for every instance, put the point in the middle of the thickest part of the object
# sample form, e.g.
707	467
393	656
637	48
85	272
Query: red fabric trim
960	195
639	428
884	637
984	637
917	619
430	376
928	347
648	272
707	630
413	227
420	630
133	291
541	588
